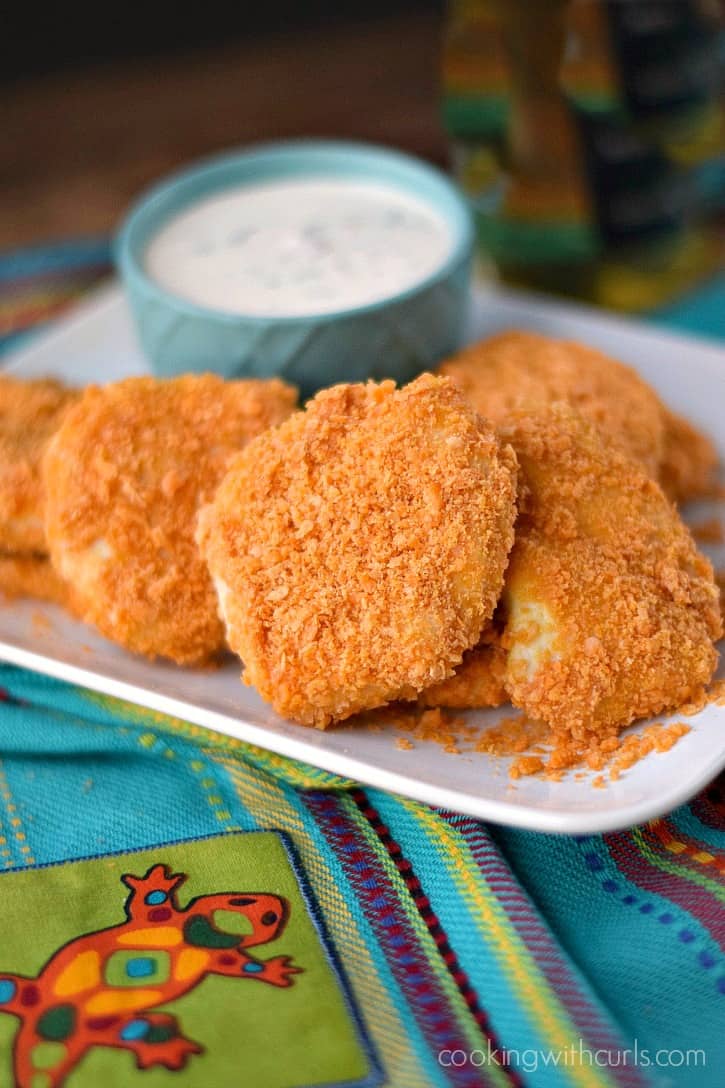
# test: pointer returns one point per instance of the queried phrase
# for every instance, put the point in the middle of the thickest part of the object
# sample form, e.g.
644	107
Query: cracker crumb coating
30	413
125	476
522	371
360	548
478	681
611	610
688	469
720	582
31	576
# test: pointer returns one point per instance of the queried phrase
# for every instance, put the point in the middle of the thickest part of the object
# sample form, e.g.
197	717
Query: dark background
96	103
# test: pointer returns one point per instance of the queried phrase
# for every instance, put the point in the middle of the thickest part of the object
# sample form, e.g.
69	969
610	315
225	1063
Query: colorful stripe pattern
440	938
37	285
475	955
438	1008
656	862
575	997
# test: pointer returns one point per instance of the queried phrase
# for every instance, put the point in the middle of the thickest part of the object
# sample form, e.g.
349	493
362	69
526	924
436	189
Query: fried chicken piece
611	610
125	476
720	580
359	549
31	576
477	682
527	371
689	461
30	413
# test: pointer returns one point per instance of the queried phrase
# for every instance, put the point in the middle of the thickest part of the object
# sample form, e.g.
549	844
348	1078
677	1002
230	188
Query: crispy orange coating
31	576
524	370
30	413
611	609
477	682
125	476
689	460
360	548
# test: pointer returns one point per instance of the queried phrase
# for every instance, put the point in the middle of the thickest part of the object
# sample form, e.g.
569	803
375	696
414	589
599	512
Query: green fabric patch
133	968
230	921
46	1055
264	1026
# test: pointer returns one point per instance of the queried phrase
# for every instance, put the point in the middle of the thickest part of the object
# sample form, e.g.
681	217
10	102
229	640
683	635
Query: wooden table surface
77	147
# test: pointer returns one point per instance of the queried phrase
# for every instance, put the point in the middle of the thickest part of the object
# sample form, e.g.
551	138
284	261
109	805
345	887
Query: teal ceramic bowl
397	337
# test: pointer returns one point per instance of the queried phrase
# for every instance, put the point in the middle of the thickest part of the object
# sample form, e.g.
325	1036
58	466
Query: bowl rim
158	203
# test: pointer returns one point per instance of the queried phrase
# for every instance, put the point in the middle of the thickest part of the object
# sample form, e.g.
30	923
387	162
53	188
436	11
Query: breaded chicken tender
526	371
611	609
477	682
31	576
359	549
125	476
688	469
30	413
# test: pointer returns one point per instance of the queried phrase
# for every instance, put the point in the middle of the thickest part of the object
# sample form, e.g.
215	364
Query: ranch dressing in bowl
298	247
315	261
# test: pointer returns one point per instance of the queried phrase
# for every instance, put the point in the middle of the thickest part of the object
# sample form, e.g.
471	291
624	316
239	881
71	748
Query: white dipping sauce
296	247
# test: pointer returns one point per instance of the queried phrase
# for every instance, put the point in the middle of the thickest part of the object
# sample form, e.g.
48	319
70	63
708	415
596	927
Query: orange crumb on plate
447	730
40	622
716	693
511	736
658	737
526	765
696	704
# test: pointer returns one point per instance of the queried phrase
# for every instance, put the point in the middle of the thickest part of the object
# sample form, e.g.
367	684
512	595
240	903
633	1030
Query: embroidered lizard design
100	989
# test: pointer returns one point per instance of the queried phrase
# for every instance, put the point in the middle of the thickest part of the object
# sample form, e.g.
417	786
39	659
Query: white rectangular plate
97	343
